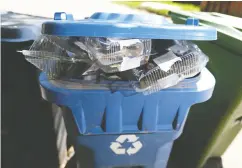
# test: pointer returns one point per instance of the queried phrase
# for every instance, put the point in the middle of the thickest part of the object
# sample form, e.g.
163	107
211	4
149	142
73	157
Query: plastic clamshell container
57	57
113	55
189	63
126	44
112	48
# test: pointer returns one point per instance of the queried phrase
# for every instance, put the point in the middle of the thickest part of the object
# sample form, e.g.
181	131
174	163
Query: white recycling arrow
137	146
115	146
131	138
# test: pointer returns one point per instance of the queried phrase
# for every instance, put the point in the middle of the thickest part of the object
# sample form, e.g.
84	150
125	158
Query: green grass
183	6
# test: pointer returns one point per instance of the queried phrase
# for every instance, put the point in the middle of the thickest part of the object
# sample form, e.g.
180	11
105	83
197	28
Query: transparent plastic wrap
171	68
114	55
180	47
58	57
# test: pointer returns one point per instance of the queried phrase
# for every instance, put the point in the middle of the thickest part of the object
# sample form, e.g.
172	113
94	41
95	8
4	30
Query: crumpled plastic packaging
58	57
182	60
116	55
147	65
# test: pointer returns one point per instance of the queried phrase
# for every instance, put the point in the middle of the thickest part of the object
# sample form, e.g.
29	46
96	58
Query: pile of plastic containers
149	61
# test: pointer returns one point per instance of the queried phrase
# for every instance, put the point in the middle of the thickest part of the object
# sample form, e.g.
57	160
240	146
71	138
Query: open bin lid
229	27
127	26
213	17
229	20
19	27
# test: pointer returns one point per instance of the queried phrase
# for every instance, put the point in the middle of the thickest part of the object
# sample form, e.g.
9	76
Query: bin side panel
104	112
93	106
132	107
96	151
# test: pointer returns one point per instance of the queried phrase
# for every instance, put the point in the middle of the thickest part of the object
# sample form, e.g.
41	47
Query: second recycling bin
222	114
110	124
25	140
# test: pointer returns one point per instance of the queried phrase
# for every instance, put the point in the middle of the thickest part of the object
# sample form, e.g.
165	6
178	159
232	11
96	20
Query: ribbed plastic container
171	68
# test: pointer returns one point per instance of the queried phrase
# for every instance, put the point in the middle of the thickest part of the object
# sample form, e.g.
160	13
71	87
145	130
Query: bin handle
192	21
60	15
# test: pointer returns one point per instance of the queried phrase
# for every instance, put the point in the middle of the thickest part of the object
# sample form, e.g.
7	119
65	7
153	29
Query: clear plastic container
82	58
58	57
188	63
114	55
72	56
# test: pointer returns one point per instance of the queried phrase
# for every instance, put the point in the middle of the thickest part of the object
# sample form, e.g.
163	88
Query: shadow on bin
212	126
26	141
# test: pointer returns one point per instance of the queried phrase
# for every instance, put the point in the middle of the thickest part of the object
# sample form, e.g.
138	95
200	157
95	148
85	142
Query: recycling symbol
117	148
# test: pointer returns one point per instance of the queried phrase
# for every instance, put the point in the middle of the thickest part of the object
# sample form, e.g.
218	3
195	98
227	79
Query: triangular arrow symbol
115	146
131	138
137	146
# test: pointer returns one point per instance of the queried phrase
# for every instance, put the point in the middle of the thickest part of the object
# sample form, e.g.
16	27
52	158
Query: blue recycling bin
122	128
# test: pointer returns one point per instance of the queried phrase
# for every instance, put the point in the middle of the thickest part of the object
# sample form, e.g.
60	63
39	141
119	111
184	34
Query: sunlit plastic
156	79
57	57
112	55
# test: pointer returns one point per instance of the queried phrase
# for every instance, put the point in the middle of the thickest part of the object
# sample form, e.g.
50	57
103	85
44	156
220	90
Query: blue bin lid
116	25
131	18
19	28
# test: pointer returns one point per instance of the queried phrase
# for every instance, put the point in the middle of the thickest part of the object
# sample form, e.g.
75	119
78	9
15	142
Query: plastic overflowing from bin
174	66
65	54
109	123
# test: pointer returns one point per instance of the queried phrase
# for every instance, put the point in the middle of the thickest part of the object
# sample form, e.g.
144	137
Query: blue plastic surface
192	21
101	116
122	109
127	26
131	18
95	152
58	16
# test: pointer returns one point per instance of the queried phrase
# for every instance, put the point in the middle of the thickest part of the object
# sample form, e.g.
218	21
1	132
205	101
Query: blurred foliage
183	6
